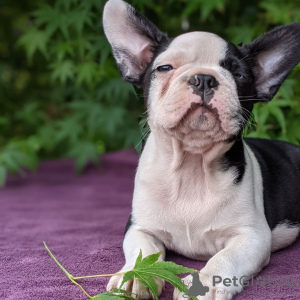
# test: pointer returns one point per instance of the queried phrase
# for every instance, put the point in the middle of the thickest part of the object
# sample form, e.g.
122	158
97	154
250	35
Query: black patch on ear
145	28
272	57
148	30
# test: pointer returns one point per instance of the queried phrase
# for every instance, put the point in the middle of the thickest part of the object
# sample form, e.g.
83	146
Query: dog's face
195	86
199	88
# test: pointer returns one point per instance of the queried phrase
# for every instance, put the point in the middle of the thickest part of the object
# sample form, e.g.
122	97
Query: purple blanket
82	220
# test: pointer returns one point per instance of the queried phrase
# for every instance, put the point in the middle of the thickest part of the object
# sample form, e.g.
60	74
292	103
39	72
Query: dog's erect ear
273	56
134	39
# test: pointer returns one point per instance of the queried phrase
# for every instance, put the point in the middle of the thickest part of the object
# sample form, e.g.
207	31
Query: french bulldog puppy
200	189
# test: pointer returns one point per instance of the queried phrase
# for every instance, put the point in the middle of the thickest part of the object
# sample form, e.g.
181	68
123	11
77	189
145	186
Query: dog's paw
135	287
203	292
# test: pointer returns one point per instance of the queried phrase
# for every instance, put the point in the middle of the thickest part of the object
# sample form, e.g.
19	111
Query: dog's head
198	87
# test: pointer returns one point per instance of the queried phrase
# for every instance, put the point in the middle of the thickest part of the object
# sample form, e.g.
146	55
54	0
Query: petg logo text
261	281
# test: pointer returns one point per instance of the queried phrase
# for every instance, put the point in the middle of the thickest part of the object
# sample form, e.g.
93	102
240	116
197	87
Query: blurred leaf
63	70
83	152
86	72
53	19
71	92
34	40
63	49
68	129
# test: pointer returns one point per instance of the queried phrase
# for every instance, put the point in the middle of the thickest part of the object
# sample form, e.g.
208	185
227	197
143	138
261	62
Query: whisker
244	100
143	136
244	57
247	96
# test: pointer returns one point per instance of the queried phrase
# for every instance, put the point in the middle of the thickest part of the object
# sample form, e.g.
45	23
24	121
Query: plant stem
70	276
53	257
102	275
84	291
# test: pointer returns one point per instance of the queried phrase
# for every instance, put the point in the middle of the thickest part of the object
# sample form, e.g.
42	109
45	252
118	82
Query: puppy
200	189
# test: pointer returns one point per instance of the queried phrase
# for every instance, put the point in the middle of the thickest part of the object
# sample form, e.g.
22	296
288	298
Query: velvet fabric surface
82	219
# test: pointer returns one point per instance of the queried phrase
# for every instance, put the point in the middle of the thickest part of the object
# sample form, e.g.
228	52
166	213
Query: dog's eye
242	77
164	68
239	76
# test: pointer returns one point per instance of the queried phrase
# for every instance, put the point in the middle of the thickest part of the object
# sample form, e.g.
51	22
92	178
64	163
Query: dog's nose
204	84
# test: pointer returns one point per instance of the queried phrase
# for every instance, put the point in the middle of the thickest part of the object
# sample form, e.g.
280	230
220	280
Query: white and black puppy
200	189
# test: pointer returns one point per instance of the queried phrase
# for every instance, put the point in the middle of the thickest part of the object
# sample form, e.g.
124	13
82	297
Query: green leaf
62	70
34	40
54	19
148	260
87	72
83	152
148	268
111	296
68	129
64	49
115	290
150	283
80	18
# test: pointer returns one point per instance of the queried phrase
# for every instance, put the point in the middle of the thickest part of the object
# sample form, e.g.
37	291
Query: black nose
204	84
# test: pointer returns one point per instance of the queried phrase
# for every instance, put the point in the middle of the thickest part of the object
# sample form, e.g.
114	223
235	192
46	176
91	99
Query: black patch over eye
237	68
242	77
164	68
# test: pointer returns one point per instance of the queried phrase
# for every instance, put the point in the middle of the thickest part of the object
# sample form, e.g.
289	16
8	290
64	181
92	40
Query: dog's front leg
244	255
135	240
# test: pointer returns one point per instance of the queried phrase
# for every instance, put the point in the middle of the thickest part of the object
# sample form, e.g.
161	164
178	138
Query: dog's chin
198	118
200	128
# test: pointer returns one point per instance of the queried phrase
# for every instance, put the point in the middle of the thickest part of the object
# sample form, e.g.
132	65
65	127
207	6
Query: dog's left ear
273	56
134	39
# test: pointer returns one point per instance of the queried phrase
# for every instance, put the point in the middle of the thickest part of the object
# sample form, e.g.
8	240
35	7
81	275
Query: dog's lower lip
195	106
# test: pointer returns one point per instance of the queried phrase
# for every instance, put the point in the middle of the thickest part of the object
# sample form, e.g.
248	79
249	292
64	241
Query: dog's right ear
273	56
134	39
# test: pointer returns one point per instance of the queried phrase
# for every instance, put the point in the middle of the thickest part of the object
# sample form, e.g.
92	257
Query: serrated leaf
68	129
63	49
150	283
80	18
173	267
110	296
83	152
126	277
139	258
34	40
115	290
62	70
53	19
148	260
86	72
148	267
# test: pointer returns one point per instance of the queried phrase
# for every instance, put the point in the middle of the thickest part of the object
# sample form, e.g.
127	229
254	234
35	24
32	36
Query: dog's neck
167	169
175	150
172	152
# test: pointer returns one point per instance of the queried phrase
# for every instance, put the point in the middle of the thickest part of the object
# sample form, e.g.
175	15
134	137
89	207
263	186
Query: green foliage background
62	96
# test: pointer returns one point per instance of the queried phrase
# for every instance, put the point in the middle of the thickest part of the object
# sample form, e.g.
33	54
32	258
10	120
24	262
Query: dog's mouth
205	107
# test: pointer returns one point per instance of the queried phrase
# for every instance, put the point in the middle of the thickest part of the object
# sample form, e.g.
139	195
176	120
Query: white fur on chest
189	204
